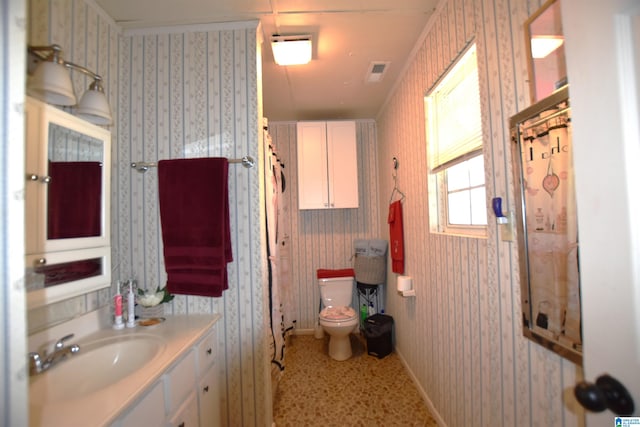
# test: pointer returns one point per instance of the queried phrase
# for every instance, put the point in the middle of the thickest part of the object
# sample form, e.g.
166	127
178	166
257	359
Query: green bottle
363	313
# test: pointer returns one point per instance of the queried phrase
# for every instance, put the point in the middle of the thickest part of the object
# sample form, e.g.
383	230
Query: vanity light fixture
291	49
542	46
51	83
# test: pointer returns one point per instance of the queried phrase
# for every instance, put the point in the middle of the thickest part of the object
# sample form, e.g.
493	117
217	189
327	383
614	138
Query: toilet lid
337	313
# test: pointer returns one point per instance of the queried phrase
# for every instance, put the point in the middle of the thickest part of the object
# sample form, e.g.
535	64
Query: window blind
454	112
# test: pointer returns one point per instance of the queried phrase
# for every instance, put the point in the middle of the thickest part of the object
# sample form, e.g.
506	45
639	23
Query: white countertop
102	407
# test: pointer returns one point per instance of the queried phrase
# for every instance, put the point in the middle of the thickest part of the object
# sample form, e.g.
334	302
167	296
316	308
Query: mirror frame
561	344
558	68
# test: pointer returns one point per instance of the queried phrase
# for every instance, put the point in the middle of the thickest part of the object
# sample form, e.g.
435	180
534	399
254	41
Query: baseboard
424	395
303	331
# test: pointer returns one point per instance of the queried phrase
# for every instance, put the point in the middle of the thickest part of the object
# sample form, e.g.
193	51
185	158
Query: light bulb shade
94	107
291	52
51	83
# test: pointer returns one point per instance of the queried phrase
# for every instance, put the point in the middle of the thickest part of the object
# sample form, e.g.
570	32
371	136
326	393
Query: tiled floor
316	390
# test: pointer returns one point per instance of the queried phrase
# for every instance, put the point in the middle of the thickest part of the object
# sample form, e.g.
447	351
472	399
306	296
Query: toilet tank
336	291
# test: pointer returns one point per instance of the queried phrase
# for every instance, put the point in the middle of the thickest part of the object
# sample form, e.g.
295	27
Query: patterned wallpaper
176	93
324	238
193	93
461	336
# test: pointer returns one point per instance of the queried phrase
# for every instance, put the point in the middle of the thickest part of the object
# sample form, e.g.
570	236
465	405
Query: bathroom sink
99	364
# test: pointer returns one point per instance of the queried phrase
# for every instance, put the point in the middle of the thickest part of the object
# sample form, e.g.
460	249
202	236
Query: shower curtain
278	242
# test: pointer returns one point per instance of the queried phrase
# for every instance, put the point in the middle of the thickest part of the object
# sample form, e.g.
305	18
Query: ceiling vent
376	71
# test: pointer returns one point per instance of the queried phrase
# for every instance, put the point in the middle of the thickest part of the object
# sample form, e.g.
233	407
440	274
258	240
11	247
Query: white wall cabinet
327	165
67	205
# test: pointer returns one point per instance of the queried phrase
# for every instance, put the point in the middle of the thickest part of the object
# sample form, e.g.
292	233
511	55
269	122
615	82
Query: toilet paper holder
404	286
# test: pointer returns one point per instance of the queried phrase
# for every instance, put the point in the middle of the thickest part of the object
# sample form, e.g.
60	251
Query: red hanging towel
396	237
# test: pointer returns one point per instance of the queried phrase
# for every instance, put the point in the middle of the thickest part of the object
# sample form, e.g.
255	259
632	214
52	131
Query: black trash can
378	332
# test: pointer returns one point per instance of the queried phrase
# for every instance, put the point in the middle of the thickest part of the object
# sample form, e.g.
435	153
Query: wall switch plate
506	230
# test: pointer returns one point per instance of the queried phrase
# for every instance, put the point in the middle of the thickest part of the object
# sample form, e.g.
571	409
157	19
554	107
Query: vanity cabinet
185	396
67	189
327	165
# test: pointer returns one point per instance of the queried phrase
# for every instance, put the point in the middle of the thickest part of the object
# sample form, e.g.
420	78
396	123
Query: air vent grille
378	68
376	71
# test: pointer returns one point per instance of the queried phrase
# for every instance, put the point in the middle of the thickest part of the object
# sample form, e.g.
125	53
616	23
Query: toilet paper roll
404	283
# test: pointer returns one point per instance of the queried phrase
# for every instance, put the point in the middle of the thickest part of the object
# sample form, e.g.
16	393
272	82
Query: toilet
337	318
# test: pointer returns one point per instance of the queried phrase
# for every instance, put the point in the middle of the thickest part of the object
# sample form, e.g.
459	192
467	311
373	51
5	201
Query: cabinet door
342	162
209	398
187	415
313	189
68	187
149	411
206	351
180	381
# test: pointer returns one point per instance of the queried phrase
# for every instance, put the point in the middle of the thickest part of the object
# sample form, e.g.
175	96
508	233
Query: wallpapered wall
324	238
461	336
177	92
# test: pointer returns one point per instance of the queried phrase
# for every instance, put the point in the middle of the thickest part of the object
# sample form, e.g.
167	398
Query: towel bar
142	167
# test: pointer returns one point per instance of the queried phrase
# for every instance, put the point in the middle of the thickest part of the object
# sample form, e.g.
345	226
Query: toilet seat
338	314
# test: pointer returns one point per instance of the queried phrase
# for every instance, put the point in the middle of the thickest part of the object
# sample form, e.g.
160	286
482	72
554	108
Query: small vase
155	311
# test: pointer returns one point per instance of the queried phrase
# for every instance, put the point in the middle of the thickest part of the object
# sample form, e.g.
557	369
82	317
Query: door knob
606	393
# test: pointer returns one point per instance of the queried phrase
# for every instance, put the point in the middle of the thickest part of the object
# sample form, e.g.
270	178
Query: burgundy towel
194	212
396	237
74	200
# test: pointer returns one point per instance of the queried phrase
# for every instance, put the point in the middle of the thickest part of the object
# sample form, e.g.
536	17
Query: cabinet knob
40	261
181	424
205	389
209	350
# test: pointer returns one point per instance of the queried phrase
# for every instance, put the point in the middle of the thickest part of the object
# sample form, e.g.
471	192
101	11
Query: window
454	139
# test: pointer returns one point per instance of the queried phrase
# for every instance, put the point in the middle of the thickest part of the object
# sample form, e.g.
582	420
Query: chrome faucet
60	352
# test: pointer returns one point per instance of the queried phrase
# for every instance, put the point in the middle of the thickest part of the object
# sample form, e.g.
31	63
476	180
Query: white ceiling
348	36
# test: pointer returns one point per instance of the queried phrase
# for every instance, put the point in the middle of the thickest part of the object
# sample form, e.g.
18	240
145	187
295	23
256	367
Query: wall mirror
67	238
547	225
545	50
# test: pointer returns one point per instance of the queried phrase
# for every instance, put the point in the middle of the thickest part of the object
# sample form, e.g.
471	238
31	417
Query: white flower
151	299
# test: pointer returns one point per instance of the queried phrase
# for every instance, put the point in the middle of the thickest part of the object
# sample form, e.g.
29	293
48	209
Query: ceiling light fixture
291	49
51	83
542	46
